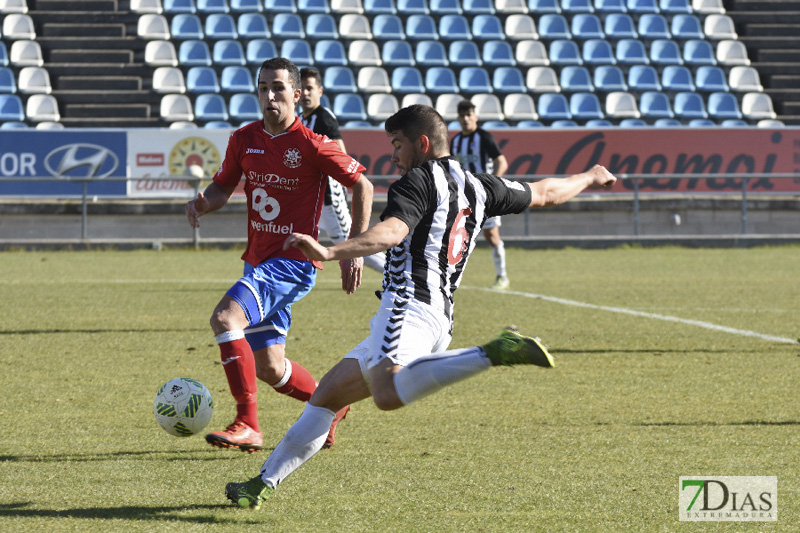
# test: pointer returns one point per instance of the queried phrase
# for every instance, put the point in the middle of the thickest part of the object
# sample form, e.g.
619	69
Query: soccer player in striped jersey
433	215
335	219
478	152
285	168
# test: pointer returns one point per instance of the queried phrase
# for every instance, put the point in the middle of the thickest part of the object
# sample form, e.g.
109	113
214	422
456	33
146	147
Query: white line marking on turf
698	323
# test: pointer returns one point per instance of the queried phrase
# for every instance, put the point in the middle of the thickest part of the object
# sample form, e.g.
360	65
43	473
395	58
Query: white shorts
335	218
492	222
402	333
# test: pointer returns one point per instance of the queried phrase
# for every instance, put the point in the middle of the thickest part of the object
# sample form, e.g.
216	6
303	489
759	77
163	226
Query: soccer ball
183	407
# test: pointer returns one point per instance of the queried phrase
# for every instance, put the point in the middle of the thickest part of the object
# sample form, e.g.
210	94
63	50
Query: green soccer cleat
501	283
248	494
512	348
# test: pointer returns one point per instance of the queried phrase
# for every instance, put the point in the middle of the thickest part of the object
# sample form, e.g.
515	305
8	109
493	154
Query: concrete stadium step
745	18
92	83
106	97
111	122
109	110
83	29
766	5
99	69
756	44
91	43
785	81
76	5
772	55
772	30
91	56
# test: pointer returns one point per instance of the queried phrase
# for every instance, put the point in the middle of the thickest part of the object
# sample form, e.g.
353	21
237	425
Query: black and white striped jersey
444	206
475	151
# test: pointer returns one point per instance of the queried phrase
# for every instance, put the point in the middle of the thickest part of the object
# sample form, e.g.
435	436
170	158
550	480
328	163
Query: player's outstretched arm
213	198
555	191
380	237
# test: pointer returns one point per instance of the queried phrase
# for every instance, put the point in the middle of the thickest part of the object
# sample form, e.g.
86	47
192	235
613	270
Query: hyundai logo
99	161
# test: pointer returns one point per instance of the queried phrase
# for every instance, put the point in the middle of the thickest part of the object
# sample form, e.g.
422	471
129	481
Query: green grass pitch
671	362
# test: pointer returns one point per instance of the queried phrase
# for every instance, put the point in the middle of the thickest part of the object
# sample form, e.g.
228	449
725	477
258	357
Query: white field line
622	310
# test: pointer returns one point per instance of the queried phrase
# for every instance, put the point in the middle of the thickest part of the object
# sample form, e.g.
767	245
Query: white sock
304	439
434	372
499	258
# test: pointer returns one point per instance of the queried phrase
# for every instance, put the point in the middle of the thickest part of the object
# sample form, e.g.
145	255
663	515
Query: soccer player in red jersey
285	167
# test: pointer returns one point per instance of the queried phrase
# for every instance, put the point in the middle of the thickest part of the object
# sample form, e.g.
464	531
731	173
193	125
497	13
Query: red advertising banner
639	151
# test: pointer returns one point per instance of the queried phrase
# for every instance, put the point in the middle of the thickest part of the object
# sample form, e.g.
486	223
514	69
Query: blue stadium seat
247	6
244	106
340	80
280	6
220	26
642	6
508	80
413	7
684	27
653	26
487	27
631	52
599	123
387	27
585	106
179	6
313	6
228	52
454	28
564	123
213	6
406	80
202	80
259	50
498	54
194	53
553	106
446	7
702	123
321	26
357	125
598	52
464	54
665	52
667	123
474	80
236	79
431	54
689	106
654	105
577	6
586	26
643	78
186	26
542	7
397	54
11	108
210	106
610	6
553	26
378	7
709	79
218	125
3	55
564	52
440	80
478	7
608	78
330	52
575	79
734	123
632	123
349	107
288	26
723	106
421	28
675	7
619	26
677	78
529	124
698	52
298	51
252	26
8	83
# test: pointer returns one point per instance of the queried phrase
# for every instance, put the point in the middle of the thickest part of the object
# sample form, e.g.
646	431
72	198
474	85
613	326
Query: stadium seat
421	28
221	26
298	51
730	53
413	7
542	7
346	6
11	108
519	106
610	6
373	80
156	54
599	123
508	80
354	26
339	80
209	106
229	52
349	107
619	26
577	6
440	80
176	107
542	80
236	79
167	80
474	80
478	7
564	123
186	26
709	79
464	54
689	105
19	26
202	80
447	105
496	124
574	79
519	27
213	6
218	125
357	124
770	123
321	26
553	106
362	53
675	7
642	78
194	53
718	27
313	6
445	7
684	27
416	99
585	106
179	6
655	105
397	54
531	53
653	26
743	79
406	80
665	52
454	28
498	54
330	52
642	6
632	123
667	123
259	50
253	26
247	6
552	26
378	7
697	52
758	106
388	27
150	27
586	26
44	108
8	83
4	53
509	7
13	125
676	78
47	125
487	28
734	123
706	7
565	52
702	123
597	52
630	52
722	106
488	106
621	104
34	80
244	107
382	106
288	26
136	6
529	124
280	6
608	78
430	54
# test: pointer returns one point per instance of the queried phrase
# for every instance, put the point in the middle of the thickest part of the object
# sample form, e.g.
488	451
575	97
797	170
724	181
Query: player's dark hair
464	107
281	63
418	120
309	72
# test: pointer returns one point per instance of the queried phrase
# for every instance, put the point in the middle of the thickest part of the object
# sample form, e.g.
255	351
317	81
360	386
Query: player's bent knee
386	401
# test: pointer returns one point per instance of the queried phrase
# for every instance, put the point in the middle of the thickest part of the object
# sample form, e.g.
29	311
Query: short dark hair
465	106
418	120
281	63
310	72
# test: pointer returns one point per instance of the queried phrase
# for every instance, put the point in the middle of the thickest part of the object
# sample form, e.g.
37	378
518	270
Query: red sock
299	385
240	368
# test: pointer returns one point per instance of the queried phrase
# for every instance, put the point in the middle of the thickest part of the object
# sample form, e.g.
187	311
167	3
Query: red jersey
285	180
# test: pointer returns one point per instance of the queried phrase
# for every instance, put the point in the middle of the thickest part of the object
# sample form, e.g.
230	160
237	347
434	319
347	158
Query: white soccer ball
183	407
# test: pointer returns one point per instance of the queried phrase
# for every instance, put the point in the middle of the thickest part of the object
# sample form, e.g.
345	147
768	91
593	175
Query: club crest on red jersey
292	158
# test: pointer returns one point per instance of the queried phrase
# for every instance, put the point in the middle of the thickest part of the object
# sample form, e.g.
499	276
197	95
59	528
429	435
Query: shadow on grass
199	455
107	330
177	513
